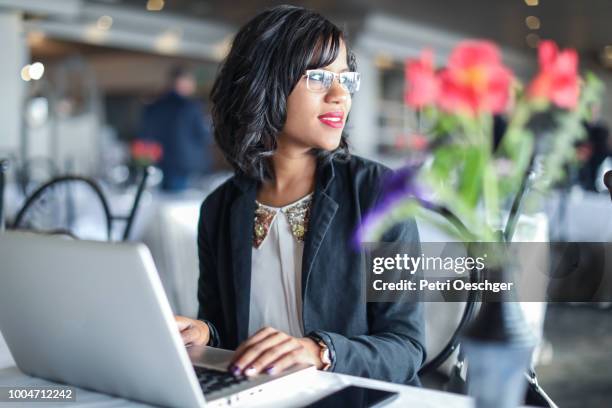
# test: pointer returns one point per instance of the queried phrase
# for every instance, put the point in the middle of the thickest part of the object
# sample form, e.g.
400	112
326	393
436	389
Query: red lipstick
333	119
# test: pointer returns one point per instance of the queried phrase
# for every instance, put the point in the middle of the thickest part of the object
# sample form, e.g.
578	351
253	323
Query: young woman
280	281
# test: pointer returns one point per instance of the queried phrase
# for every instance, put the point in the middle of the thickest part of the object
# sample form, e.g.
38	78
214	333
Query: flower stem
515	210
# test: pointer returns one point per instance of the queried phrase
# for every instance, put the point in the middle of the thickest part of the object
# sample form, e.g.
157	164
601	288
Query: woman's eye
316	77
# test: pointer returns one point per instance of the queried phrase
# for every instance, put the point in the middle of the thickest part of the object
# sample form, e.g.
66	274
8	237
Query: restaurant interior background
75	76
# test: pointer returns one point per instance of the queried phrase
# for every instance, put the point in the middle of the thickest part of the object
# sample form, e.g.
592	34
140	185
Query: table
295	395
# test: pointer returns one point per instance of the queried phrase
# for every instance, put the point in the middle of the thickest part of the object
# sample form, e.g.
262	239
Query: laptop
95	315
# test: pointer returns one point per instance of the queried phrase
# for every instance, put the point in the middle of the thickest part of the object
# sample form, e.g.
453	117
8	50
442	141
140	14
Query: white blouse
276	271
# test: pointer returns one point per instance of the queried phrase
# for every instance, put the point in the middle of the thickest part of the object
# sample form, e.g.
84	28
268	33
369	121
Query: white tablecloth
170	232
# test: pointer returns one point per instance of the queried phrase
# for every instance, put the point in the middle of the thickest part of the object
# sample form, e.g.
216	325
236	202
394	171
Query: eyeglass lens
321	80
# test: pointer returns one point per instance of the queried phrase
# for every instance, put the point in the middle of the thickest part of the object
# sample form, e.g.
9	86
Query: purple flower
396	188
400	184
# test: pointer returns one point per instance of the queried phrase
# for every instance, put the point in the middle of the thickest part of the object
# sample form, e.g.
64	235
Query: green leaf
470	180
445	158
491	195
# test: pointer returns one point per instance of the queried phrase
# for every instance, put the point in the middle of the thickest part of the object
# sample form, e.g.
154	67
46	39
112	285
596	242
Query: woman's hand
272	351
194	332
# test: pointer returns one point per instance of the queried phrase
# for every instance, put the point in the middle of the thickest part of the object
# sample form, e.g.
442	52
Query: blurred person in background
177	123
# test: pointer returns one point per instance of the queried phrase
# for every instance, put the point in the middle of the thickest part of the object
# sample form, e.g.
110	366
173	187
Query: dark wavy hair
268	57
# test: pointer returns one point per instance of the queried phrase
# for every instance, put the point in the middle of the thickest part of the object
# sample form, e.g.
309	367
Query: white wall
363	128
14	56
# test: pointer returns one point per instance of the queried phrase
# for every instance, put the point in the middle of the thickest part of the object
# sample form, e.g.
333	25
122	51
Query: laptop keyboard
215	380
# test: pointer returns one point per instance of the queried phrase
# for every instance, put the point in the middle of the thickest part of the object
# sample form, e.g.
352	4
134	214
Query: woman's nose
336	93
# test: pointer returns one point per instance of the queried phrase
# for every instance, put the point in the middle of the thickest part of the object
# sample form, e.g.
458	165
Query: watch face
324	353
325	357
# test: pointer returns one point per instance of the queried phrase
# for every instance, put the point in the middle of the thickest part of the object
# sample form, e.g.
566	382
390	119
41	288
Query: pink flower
558	80
422	84
475	80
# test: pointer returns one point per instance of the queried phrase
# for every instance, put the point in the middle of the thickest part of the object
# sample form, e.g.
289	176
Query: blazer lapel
241	234
322	213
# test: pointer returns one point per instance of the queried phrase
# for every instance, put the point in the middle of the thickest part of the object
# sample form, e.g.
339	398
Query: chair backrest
52	206
70	192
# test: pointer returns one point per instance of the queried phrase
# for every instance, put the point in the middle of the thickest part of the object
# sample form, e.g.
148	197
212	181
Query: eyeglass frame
336	77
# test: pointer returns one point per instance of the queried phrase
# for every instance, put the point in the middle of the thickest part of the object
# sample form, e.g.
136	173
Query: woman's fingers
272	351
257	337
264	361
251	352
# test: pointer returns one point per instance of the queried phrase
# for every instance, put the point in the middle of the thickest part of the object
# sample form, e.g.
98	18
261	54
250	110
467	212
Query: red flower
146	151
422	84
155	152
475	80
558	80
138	149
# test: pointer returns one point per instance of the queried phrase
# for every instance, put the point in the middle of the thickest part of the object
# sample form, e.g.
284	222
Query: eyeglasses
320	80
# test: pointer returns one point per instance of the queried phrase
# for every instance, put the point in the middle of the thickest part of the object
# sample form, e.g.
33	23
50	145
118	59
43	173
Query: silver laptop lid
93	315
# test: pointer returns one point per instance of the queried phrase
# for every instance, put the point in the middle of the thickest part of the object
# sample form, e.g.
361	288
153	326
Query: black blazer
376	340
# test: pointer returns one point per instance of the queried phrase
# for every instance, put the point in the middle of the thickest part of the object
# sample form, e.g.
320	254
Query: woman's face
311	116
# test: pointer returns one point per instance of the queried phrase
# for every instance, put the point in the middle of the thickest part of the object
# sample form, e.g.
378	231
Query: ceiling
581	24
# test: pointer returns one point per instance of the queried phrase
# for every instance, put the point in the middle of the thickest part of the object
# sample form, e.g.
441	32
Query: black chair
51	207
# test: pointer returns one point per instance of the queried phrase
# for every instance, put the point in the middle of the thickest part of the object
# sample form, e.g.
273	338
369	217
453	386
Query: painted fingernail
234	369
270	370
249	371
